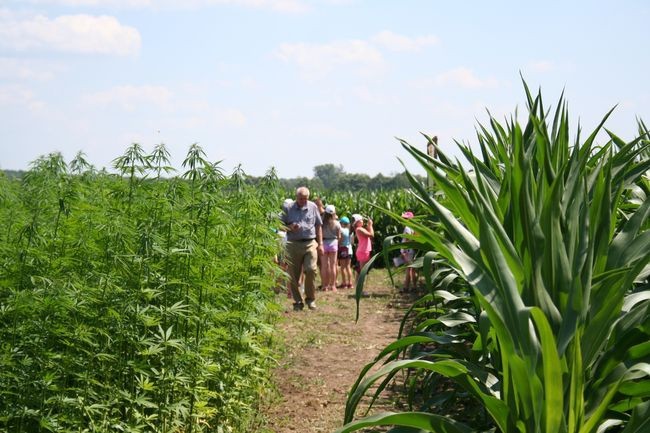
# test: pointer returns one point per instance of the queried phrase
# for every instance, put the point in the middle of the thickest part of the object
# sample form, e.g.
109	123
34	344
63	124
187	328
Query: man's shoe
311	305
298	306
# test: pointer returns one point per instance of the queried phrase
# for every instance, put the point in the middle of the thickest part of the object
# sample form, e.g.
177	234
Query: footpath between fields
325	352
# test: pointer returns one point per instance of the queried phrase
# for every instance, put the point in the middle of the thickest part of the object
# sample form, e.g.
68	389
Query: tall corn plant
553	240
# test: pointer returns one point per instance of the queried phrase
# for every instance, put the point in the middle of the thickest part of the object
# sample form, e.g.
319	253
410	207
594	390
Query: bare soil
325	352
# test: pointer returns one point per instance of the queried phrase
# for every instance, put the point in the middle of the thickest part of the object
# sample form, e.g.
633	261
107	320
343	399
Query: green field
141	300
129	302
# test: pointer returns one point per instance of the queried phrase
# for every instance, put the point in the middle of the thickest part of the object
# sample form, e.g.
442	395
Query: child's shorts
408	255
330	245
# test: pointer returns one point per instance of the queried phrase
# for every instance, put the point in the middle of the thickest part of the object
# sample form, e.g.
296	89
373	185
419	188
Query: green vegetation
141	301
537	311
13	174
331	178
327	177
133	302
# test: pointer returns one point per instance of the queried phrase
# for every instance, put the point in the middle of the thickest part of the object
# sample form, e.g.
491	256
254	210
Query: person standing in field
364	237
408	254
304	244
345	253
331	237
321	210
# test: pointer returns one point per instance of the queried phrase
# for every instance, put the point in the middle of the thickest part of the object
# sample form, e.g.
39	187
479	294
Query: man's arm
288	225
319	239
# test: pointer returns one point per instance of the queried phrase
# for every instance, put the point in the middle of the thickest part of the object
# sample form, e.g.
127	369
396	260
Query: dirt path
326	350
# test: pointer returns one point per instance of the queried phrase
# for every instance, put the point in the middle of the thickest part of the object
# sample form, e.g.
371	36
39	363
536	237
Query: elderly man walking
304	243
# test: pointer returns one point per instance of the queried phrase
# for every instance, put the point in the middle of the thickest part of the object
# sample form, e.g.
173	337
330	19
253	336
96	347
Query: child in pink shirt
364	237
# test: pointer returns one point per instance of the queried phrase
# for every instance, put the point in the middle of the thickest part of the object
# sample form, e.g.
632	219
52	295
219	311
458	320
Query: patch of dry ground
325	352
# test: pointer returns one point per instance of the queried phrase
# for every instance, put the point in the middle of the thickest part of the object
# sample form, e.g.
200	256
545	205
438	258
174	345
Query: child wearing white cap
331	237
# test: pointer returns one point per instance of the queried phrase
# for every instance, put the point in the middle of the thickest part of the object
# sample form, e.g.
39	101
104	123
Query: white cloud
288	6
285	6
95	3
14	95
465	78
11	68
339	2
317	60
129	98
394	42
69	33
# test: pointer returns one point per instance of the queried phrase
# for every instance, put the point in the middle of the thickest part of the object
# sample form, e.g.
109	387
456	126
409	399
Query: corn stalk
553	243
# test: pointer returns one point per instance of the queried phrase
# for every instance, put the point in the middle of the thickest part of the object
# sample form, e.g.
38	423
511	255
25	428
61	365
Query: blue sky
292	84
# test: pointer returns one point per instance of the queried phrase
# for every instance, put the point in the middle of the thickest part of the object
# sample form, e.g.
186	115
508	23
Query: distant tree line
14	174
333	177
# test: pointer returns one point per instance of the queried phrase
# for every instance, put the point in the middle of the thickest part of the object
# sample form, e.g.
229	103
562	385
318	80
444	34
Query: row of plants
138	301
536	316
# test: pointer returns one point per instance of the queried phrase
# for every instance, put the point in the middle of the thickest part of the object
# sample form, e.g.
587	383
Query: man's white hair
302	190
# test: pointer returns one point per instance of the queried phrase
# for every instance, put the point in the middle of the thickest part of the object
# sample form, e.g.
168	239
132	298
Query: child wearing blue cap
345	254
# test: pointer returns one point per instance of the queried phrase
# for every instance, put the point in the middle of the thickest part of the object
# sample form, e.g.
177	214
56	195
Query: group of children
339	257
338	237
